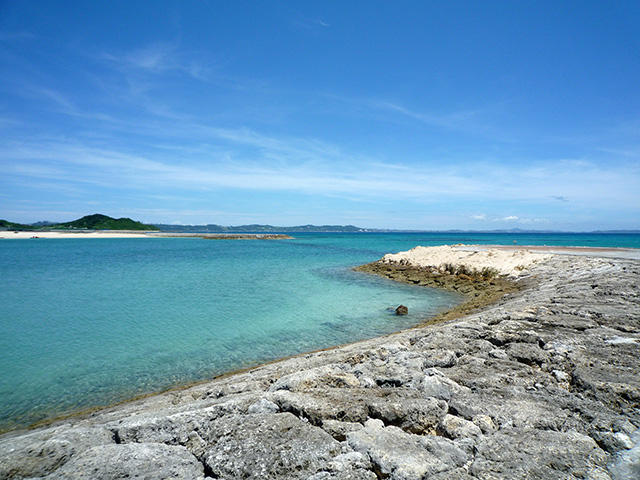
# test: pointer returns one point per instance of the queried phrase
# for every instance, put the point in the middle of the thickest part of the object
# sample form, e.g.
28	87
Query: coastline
441	399
22	235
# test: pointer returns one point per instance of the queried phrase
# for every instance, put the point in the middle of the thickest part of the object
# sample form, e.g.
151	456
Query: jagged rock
403	456
436	384
455	427
268	446
408	411
626	464
323	404
402	310
339	430
440	358
175	427
326	376
263	406
393	370
531	453
144	461
36	454
485	423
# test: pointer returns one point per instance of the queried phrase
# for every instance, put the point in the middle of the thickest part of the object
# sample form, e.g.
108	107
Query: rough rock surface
544	383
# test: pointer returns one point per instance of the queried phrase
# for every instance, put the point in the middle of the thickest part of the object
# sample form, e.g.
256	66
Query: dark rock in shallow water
402	310
545	383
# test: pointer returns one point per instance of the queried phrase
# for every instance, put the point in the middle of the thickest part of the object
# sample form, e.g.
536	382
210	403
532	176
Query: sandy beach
542	383
11	235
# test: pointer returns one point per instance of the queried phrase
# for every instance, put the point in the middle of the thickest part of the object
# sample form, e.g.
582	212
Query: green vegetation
14	226
485	273
103	222
90	222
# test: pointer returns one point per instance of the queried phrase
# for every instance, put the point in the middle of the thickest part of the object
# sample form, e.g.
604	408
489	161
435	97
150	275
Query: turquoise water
88	322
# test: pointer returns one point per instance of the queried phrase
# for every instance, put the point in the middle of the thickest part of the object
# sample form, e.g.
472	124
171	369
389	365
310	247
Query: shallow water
87	322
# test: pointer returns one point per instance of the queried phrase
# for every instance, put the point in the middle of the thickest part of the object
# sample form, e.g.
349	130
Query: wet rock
402	310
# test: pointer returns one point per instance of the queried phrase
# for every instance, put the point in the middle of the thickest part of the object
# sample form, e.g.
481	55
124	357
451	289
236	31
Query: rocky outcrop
401	310
543	383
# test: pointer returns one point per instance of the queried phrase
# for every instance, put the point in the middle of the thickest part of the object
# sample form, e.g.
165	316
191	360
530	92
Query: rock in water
402	310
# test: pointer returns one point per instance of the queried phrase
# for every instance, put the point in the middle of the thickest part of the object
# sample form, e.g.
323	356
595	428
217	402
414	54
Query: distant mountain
212	228
103	222
89	222
6	225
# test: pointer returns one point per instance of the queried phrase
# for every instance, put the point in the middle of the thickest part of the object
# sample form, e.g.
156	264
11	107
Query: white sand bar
512	263
97	234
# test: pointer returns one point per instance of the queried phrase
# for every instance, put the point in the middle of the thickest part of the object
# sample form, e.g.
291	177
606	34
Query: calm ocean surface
88	322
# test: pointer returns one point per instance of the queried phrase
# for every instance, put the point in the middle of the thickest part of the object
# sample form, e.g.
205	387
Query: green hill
103	222
14	226
90	222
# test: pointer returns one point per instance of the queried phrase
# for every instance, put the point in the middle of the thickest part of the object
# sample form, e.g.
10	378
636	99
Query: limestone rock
268	446
144	461
519	453
41	452
440	358
402	456
339	430
327	376
455	427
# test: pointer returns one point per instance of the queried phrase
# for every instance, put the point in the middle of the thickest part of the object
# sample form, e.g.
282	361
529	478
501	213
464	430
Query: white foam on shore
512	263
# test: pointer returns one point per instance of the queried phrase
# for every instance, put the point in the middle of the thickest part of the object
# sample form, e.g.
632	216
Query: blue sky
416	115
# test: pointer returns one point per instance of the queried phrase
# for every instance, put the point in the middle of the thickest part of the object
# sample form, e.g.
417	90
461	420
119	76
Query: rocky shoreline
543	383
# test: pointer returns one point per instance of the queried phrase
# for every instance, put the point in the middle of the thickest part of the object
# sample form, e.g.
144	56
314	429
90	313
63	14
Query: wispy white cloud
309	23
17	36
57	97
455	120
161	57
253	161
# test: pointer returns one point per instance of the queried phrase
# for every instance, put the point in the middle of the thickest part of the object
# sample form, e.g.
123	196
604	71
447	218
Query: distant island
89	222
103	222
212	228
257	228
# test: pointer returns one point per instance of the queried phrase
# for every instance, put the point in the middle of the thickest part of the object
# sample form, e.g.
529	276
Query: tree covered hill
89	222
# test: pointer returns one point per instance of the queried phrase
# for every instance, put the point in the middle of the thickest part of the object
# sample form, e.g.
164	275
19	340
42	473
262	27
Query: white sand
512	263
42	235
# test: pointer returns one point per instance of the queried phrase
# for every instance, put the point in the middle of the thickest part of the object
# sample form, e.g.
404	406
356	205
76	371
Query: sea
91	322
